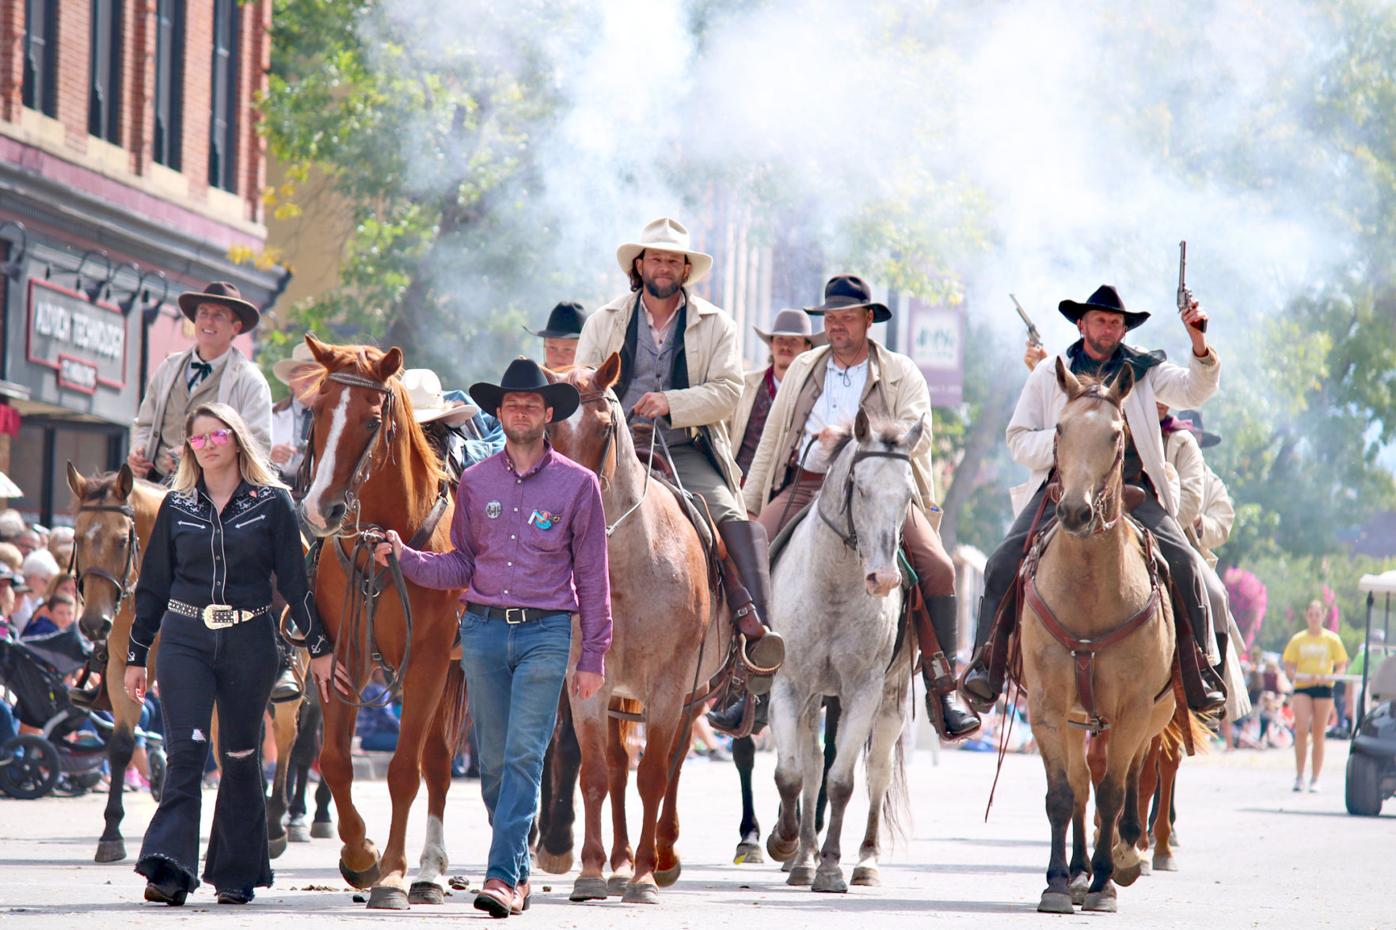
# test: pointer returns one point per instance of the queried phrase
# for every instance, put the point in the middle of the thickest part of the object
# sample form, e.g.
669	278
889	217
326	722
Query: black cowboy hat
565	322
221	292
1193	419
523	376
1104	298
846	291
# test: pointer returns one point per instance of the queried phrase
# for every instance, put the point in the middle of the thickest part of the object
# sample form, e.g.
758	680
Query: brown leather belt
513	615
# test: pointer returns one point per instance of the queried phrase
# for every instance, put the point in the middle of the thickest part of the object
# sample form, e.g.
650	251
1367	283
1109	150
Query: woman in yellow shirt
1312	658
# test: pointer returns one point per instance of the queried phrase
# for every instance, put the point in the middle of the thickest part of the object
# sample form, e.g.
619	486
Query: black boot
288	686
730	718
938	669
748	584
980	690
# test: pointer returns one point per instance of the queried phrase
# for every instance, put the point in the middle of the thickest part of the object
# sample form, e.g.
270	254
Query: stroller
69	752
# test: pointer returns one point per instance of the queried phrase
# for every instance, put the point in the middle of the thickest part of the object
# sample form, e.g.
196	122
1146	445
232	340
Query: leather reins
849	535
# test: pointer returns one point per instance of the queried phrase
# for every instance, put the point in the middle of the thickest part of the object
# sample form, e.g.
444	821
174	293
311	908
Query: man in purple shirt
529	548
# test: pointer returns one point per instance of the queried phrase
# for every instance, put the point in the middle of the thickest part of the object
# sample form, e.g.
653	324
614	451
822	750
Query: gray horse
837	603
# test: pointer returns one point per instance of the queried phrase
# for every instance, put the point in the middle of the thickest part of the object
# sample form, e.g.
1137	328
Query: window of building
223	124
104	92
169	83
40	89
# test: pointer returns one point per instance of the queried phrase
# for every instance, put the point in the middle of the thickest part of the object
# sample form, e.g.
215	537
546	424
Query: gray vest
653	371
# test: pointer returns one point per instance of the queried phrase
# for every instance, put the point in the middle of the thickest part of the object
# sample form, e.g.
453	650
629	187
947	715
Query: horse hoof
298	832
641	893
110	851
589	888
801	875
780	849
387	898
276	845
361	880
555	863
1165	863
1078	888
1126	875
829	882
748	854
1101	901
322	830
618	883
1145	867
666	877
425	893
867	876
1055	902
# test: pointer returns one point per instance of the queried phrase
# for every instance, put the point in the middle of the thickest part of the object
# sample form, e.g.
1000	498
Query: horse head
871	473
1092	435
106	553
592	436
358	409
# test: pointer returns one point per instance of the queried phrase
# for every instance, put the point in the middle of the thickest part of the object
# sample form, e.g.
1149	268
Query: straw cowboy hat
846	291
1105	298
286	369
429	402
665	235
523	376
221	292
792	322
565	322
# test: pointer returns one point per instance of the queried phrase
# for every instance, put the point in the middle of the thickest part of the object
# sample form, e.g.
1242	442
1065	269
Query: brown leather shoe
495	899
522	896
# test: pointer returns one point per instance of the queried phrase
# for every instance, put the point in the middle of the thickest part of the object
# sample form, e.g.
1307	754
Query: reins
849	536
133	547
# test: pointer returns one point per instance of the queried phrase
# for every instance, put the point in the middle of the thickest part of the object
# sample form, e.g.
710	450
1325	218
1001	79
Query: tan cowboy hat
284	370
792	322
429	401
665	235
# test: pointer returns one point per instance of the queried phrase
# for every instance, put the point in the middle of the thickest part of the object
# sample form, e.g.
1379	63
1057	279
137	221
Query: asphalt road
1253	855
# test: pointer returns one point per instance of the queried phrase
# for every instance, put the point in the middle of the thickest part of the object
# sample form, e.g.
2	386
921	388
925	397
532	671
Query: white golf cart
1371	774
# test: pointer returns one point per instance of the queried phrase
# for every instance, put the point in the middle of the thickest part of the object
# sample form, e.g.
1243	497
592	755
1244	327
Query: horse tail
455	710
896	803
1173	740
627	726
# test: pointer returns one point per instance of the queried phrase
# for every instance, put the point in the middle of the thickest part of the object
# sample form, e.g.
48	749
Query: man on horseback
1101	352
561	334
681	369
825	387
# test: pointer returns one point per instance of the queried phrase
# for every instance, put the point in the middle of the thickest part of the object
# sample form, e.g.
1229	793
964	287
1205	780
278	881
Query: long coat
714	369
752	382
896	390
1033	428
242	387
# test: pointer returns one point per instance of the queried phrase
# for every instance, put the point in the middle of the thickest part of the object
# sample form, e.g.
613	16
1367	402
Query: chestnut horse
372	469
670	636
1094	594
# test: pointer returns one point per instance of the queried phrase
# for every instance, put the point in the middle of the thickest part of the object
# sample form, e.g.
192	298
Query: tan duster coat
242	387
714	368
896	390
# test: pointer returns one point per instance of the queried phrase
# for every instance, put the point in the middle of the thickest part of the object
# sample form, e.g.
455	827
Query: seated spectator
57	614
11	526
377	726
7	597
29	541
11	557
60	543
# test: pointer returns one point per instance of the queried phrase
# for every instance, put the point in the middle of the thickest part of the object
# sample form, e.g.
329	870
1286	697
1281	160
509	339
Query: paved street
1254	855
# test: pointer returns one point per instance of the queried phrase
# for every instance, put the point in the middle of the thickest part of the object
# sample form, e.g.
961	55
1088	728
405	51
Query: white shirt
214	363
836	405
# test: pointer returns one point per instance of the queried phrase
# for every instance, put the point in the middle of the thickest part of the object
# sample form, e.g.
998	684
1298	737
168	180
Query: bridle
611	450
363	468
848	534
133	550
1102	494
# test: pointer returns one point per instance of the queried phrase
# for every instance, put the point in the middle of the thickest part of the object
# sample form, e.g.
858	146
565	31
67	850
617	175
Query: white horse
837	603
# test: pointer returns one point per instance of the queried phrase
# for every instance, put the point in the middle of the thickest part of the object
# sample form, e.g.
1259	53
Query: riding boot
1205	691
731	718
983	679
935	626
288	686
747	579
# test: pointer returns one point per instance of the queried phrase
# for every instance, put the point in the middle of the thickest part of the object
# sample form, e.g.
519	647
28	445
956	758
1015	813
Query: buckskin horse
371	469
671	642
1097	642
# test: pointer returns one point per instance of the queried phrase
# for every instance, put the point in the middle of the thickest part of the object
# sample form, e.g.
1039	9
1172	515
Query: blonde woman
1313	656
224	530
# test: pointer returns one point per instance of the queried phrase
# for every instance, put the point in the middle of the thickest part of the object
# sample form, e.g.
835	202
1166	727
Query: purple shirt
535	540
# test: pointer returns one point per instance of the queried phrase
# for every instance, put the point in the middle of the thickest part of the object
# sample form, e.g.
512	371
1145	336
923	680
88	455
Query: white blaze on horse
838	601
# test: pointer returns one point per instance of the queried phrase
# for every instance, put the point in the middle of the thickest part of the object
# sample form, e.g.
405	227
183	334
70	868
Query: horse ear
77	482
390	364
861	427
608	374
1067	381
124	482
1122	384
323	353
913	435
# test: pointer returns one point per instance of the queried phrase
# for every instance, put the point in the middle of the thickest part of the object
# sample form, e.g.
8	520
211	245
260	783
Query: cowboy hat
523	376
285	369
792	322
845	292
1105	298
565	322
665	235
220	292
429	402
1193	420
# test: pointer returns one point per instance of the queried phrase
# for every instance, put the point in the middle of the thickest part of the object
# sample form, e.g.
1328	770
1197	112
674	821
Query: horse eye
374	423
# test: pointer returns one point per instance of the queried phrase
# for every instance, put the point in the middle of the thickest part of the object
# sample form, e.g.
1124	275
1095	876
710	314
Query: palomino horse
838	605
372	469
670	637
1097	641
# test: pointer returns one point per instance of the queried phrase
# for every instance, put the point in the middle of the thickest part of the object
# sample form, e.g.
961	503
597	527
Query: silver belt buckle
509	613
220	616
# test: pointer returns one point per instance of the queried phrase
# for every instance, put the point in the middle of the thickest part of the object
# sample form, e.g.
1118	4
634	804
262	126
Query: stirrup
771	642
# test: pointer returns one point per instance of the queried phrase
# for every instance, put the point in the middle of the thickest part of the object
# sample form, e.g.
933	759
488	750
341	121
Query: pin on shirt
493	509
543	520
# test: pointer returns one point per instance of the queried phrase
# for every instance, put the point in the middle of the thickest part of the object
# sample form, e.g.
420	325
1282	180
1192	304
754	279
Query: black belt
217	616
513	615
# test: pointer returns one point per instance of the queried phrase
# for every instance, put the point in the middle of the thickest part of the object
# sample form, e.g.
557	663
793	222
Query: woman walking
206	586
1312	658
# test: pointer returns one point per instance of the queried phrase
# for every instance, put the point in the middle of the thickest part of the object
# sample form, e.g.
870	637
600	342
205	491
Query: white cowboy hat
287	368
665	235
429	401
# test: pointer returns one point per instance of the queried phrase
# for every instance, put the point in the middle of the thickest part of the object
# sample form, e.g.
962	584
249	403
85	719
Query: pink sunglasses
218	437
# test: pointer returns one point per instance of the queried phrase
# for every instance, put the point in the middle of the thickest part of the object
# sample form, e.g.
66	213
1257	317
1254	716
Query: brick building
130	170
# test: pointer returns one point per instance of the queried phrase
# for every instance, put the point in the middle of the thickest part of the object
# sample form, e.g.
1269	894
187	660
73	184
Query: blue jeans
514	675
